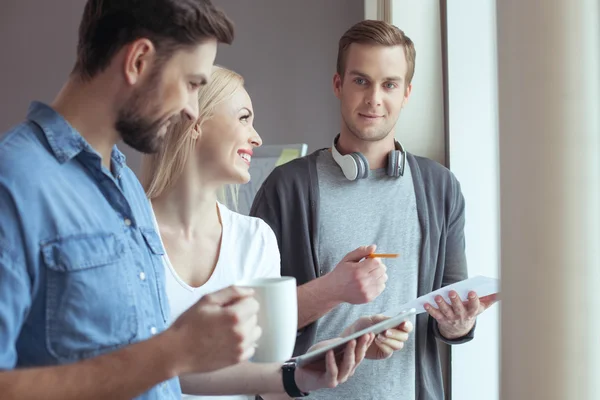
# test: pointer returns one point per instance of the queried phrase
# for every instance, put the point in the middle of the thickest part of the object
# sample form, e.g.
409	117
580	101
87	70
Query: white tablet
339	345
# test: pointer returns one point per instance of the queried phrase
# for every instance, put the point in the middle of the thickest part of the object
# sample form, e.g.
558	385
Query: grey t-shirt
377	210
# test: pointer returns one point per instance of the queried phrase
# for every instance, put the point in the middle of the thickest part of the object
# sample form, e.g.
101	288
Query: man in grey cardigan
366	189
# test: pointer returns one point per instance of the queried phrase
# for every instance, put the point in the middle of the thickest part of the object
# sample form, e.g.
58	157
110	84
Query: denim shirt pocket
90	304
157	252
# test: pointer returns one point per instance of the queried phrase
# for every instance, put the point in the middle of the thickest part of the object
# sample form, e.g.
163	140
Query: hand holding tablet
318	355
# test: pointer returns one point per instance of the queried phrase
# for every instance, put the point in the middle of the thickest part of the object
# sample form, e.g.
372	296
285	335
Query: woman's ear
196	131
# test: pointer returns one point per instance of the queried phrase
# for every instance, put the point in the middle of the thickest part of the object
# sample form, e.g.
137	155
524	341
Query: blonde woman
210	247
186	184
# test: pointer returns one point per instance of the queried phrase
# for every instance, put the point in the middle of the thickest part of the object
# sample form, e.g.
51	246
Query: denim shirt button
142	276
153	330
127	222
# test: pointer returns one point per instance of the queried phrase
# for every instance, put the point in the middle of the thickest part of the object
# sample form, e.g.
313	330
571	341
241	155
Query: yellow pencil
382	255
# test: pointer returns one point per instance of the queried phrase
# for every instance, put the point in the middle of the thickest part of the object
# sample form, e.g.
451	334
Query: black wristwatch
288	374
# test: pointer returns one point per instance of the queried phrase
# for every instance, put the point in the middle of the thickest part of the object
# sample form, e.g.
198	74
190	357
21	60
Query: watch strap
288	375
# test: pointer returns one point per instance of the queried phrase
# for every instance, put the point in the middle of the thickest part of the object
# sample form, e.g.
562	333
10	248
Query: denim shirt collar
64	140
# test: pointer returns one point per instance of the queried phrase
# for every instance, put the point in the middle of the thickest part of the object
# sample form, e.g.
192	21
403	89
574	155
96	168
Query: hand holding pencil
359	278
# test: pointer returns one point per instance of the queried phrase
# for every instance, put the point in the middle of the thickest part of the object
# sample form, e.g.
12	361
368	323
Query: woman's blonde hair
162	170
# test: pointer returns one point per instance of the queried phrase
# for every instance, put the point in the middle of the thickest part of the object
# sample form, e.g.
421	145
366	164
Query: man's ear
139	56
337	85
407	92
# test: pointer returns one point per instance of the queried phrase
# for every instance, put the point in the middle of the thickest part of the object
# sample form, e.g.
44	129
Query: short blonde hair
162	170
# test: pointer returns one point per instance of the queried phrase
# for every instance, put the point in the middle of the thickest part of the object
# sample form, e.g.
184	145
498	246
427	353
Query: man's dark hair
108	25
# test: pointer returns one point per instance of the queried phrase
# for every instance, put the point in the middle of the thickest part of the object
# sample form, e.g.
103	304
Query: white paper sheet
482	285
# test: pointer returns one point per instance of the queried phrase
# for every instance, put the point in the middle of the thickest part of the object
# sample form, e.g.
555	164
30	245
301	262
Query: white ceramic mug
277	317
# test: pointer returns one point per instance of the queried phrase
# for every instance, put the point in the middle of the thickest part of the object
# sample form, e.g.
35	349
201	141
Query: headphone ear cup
392	167
363	170
349	165
358	163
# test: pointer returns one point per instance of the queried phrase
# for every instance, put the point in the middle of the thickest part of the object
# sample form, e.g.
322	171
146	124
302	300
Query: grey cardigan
289	202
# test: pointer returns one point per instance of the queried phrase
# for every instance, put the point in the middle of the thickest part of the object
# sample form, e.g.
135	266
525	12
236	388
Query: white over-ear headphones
355	165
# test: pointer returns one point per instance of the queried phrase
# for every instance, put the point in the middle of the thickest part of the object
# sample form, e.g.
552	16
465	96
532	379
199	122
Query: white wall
372	9
473	153
421	124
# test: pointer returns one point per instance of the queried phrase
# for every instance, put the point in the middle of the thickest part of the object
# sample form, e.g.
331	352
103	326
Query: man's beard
136	128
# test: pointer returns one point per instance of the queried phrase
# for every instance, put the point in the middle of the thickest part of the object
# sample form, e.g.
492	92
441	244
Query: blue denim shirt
80	261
